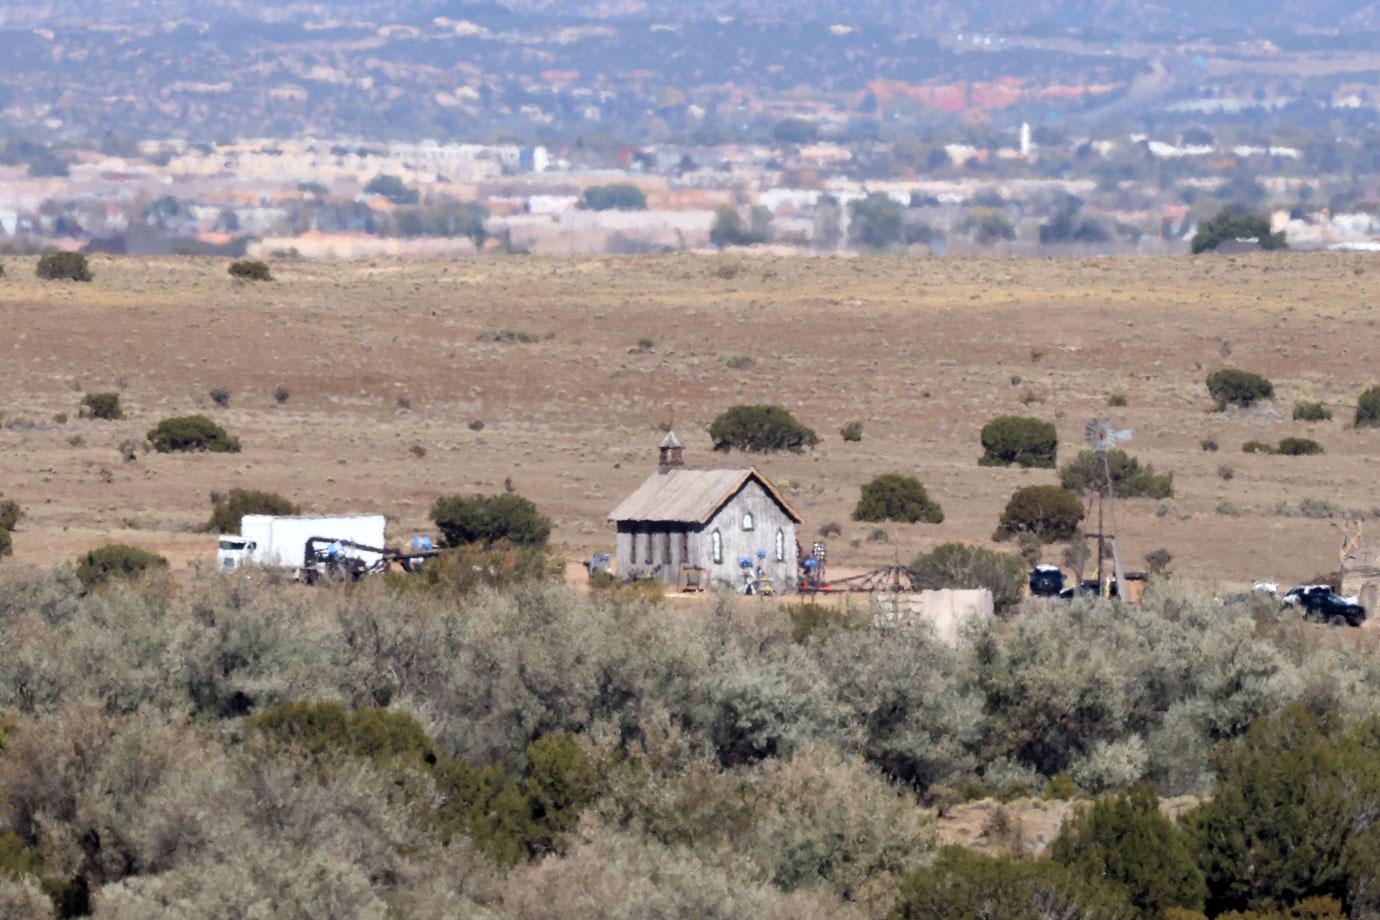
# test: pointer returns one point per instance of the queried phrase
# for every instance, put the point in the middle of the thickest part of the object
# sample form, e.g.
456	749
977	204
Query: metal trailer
347	560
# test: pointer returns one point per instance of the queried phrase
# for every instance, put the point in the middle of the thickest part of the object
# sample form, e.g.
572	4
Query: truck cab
234	552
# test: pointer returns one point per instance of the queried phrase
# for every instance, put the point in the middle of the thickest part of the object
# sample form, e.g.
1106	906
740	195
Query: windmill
1103	436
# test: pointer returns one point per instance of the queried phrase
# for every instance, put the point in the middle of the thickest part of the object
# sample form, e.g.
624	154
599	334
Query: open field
383	360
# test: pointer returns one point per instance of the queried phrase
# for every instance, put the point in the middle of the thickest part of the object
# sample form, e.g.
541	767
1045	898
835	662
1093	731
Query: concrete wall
1369	596
944	611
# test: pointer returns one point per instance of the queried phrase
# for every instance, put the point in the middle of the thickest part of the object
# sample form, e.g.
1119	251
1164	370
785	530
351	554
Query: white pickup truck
280	542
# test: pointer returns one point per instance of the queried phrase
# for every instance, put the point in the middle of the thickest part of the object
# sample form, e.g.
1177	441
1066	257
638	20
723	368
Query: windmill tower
1103	436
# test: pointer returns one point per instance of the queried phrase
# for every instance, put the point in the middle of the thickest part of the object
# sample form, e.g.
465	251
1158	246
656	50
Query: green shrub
1291	815
729	228
987	225
617	196
16	859
1368	409
1158	560
229	509
1257	447
102	406
893	497
1298	447
327	730
560	781
1027	442
1226	226
1117	400
1127	840
10	513
512	821
962	883
488	519
1312	412
6	543
488	806
1086	474
391	187
192	433
875	222
1233	387
508	820
509	336
18	862
1048	513
759	429
63	266
467	568
250	270
116	561
957	565
1061	788
809	619
852	432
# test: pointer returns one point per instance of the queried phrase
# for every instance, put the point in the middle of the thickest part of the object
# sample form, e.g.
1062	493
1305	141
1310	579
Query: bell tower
671	454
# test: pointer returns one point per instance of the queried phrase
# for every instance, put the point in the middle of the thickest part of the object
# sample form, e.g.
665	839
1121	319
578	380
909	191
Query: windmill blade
1097	433
1102	435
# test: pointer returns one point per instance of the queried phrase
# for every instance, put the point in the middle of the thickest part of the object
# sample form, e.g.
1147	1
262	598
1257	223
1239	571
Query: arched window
747	520
716	544
780	545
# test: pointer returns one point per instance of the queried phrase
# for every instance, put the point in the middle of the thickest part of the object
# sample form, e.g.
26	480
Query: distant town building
534	159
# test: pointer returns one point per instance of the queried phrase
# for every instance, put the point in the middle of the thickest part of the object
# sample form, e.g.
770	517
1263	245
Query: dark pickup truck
1322	605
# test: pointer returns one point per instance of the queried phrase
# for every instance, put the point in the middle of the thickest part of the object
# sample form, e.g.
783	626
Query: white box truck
280	542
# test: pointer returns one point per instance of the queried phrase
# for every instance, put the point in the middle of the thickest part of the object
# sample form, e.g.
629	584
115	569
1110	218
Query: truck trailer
281	542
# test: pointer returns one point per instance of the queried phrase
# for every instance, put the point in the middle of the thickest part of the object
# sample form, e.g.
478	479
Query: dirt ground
1024	827
389	381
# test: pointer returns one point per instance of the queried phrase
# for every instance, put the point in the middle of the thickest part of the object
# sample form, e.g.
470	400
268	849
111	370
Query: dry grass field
384	361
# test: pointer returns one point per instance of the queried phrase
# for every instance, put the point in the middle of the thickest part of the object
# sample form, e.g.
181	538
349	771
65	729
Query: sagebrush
417	753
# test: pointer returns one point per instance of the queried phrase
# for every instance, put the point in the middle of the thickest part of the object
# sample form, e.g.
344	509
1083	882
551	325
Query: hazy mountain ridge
558	70
1122	17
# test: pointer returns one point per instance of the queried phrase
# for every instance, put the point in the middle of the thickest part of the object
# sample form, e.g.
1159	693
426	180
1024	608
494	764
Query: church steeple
671	453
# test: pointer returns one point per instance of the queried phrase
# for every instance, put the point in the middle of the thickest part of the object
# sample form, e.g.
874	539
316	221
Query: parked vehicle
1085	588
281	542
1323	605
1298	593
1046	581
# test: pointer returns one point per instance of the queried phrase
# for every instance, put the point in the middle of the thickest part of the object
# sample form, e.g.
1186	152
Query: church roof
688	496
